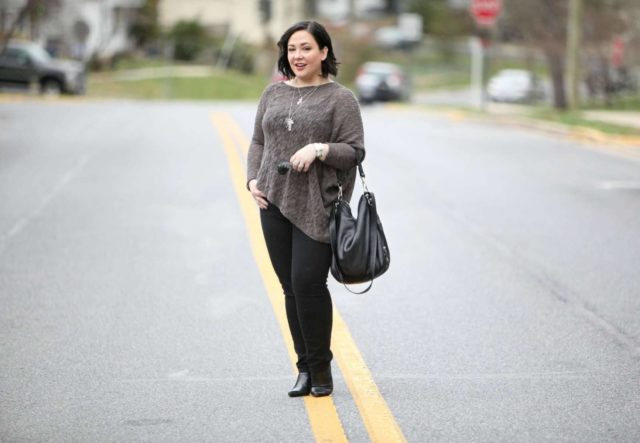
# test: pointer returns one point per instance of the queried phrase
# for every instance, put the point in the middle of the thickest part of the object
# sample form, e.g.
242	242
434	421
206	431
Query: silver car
23	64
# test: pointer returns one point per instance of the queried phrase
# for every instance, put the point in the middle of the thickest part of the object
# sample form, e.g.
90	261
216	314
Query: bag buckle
340	192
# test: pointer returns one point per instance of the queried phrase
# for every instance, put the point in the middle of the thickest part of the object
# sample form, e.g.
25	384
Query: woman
315	124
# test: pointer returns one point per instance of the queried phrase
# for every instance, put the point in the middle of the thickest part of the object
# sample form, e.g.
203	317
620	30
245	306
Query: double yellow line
323	415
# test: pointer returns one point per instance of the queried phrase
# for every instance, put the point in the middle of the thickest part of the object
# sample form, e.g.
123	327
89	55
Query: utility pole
351	14
574	38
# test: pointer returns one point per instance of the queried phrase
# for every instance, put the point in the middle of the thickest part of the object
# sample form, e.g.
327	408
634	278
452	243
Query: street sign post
485	13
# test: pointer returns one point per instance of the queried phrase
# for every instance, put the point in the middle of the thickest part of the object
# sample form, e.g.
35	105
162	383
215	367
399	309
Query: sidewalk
623	118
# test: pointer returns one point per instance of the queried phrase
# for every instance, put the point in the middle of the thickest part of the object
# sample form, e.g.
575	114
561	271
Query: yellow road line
241	139
377	417
323	416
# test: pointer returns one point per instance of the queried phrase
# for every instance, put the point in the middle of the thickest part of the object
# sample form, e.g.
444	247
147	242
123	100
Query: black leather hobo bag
359	246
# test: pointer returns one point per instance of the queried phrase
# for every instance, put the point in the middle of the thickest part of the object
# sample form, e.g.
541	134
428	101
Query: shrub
189	37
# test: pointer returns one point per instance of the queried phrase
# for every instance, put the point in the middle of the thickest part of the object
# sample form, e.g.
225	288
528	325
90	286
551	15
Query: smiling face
305	57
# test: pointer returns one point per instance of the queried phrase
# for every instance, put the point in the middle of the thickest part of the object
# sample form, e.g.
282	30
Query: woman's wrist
321	150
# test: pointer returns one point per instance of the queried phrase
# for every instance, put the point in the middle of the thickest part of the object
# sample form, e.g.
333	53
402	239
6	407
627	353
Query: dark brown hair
320	34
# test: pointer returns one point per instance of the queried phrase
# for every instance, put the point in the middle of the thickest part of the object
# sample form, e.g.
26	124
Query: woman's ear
325	52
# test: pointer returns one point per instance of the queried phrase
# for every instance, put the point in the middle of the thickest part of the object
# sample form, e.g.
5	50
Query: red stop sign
485	12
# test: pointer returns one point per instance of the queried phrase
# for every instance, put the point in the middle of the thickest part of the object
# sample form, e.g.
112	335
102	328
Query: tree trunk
19	18
556	67
310	9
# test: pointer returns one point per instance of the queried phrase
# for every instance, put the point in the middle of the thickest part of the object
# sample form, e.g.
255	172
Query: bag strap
373	216
332	236
372	261
341	173
359	293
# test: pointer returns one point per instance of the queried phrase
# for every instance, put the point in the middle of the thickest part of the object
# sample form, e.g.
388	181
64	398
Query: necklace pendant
289	123
299	101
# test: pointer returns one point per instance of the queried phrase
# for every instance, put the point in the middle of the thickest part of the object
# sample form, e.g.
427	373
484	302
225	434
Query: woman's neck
315	81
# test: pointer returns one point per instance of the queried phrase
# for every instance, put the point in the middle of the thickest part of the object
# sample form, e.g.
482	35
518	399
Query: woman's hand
302	159
257	194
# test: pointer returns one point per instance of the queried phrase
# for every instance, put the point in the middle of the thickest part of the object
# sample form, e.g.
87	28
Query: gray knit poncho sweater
329	114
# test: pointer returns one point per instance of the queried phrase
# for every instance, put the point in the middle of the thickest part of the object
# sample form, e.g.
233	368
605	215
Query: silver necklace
289	120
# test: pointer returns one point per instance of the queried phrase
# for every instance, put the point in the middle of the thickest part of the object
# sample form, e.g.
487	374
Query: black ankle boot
321	383
302	386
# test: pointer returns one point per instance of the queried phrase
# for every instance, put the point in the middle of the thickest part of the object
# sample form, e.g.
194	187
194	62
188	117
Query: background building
82	29
241	18
338	10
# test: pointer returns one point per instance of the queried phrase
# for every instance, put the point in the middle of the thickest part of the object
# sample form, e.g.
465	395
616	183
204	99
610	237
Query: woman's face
305	56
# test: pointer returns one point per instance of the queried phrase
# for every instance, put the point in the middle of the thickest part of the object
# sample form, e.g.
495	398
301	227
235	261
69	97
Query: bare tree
20	17
32	10
605	21
543	24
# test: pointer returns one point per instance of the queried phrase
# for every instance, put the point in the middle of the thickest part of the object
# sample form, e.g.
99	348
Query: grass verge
218	86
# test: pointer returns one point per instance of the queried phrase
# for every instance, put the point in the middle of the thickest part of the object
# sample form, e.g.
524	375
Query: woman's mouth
300	66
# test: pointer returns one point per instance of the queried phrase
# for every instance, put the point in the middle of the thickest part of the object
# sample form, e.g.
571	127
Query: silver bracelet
319	150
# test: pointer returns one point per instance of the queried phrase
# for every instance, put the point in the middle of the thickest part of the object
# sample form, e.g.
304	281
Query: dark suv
23	64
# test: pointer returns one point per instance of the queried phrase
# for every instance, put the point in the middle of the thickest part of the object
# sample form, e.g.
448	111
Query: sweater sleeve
254	157
347	135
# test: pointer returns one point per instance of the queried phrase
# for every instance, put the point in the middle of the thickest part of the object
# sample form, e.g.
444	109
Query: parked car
25	63
277	76
378	81
515	86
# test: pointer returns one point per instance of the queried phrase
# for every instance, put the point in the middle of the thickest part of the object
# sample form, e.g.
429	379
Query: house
240	18
82	29
338	10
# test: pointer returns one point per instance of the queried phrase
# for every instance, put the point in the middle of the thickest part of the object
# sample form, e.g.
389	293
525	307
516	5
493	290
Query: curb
575	132
8	98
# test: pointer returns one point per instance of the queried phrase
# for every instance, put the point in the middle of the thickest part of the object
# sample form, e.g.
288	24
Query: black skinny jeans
302	266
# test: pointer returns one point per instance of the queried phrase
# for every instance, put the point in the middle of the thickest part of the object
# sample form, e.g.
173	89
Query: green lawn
222	86
138	62
629	103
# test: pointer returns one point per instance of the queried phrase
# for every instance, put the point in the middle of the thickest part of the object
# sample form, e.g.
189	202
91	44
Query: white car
516	86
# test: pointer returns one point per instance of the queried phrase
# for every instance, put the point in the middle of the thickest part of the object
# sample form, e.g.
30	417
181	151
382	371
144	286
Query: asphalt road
132	308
